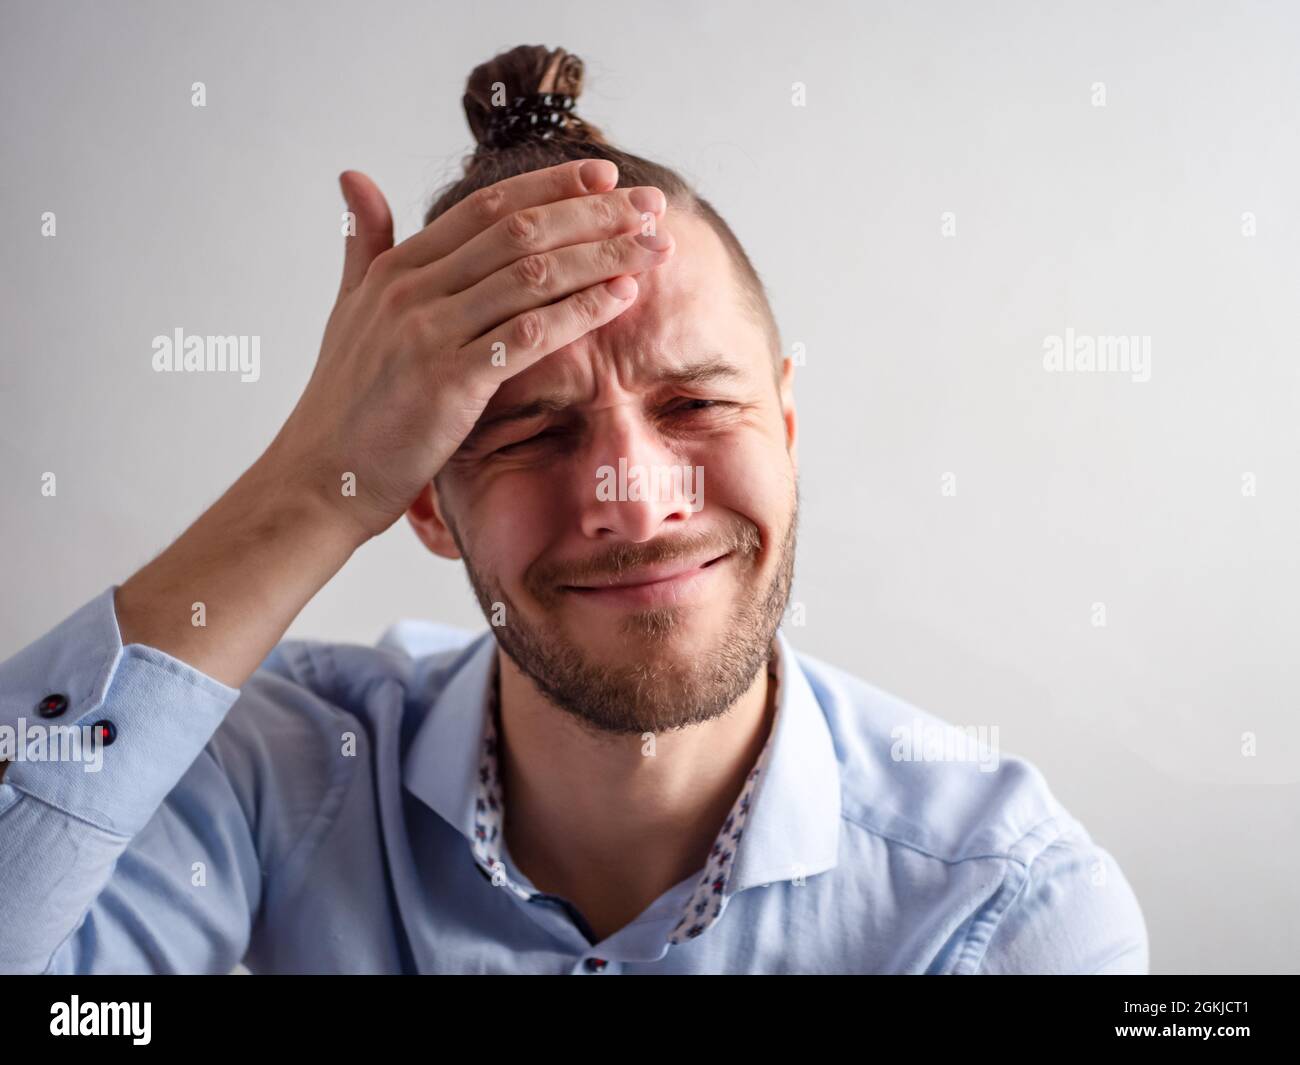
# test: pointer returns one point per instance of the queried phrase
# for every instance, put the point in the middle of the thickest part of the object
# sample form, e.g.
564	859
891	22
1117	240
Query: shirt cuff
156	711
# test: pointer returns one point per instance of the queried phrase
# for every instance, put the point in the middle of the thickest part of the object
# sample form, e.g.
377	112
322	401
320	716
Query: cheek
511	520
750	476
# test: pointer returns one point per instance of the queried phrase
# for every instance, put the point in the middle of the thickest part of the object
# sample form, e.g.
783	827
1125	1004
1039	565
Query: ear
786	393
425	516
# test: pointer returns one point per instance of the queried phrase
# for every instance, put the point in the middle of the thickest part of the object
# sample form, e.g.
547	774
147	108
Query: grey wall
924	352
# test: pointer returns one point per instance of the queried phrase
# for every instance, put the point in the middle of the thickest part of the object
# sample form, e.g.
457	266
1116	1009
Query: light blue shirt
322	819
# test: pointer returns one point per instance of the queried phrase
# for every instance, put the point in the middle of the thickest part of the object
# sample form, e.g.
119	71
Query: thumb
374	227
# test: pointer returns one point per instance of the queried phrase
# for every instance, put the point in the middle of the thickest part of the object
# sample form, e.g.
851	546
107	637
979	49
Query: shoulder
316	688
946	791
413	654
941	787
301	728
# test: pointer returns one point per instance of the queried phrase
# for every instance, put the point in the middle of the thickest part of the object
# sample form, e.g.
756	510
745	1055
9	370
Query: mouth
665	584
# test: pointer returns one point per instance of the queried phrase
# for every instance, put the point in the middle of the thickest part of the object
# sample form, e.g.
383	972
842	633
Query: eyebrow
712	368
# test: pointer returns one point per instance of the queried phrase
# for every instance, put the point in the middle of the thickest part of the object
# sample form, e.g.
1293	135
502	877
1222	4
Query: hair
530	69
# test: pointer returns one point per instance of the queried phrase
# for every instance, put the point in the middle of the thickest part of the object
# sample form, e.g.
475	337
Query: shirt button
106	731
52	705
595	965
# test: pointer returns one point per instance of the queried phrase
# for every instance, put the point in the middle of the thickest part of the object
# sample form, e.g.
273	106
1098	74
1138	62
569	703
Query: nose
639	485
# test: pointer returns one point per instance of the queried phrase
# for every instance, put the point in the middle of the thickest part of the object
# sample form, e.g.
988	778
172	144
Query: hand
406	367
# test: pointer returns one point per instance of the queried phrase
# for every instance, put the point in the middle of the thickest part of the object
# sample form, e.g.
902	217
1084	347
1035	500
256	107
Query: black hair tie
539	114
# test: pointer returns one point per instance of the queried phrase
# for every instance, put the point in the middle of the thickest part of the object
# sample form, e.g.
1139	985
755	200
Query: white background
924	353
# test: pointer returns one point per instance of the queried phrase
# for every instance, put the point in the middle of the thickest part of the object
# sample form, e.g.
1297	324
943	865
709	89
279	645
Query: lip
661	585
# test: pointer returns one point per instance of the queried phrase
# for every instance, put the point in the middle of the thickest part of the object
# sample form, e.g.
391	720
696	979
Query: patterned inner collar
706	902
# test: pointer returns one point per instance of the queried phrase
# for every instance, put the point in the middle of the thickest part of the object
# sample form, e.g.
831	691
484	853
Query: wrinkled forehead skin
687	308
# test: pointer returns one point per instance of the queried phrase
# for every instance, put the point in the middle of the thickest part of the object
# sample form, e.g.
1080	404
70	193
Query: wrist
294	494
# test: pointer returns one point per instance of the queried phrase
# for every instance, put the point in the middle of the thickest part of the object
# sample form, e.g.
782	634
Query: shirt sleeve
1068	910
130	856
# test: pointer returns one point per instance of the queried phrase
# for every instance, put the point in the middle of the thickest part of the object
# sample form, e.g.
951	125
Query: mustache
611	563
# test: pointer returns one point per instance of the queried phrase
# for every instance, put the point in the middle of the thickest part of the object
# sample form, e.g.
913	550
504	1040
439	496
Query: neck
592	818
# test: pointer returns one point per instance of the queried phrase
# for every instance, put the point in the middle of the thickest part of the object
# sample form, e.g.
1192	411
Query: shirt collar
784	825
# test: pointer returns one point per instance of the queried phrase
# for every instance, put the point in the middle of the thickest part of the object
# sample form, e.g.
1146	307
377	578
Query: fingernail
647	198
654	241
597	174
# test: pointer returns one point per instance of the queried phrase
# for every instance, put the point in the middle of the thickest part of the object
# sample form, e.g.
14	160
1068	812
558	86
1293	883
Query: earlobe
425	516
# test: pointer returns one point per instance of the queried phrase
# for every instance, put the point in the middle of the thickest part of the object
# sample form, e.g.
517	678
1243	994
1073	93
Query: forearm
253	560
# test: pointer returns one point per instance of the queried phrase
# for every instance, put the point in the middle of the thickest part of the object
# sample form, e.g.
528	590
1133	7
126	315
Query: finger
374	227
577	220
529	337
548	276
484	208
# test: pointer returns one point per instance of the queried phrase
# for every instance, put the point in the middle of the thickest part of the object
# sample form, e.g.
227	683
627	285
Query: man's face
633	541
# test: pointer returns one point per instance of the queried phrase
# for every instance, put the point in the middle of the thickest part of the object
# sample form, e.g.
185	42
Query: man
631	771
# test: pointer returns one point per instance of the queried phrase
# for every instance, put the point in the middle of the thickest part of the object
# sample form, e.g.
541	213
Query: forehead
686	309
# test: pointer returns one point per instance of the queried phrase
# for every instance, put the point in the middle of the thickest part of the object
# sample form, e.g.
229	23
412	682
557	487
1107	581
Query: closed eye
685	407
689	406
535	438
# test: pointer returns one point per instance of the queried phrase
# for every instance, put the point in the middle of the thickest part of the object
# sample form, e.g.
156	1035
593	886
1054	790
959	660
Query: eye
536	438
690	406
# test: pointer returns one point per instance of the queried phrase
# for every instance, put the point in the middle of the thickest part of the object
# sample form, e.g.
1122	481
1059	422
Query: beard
664	687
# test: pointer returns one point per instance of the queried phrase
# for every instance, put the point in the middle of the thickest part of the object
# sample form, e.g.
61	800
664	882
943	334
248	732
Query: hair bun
525	71
568	74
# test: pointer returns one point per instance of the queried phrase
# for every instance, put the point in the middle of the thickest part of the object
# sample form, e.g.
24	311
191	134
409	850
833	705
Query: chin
641	632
